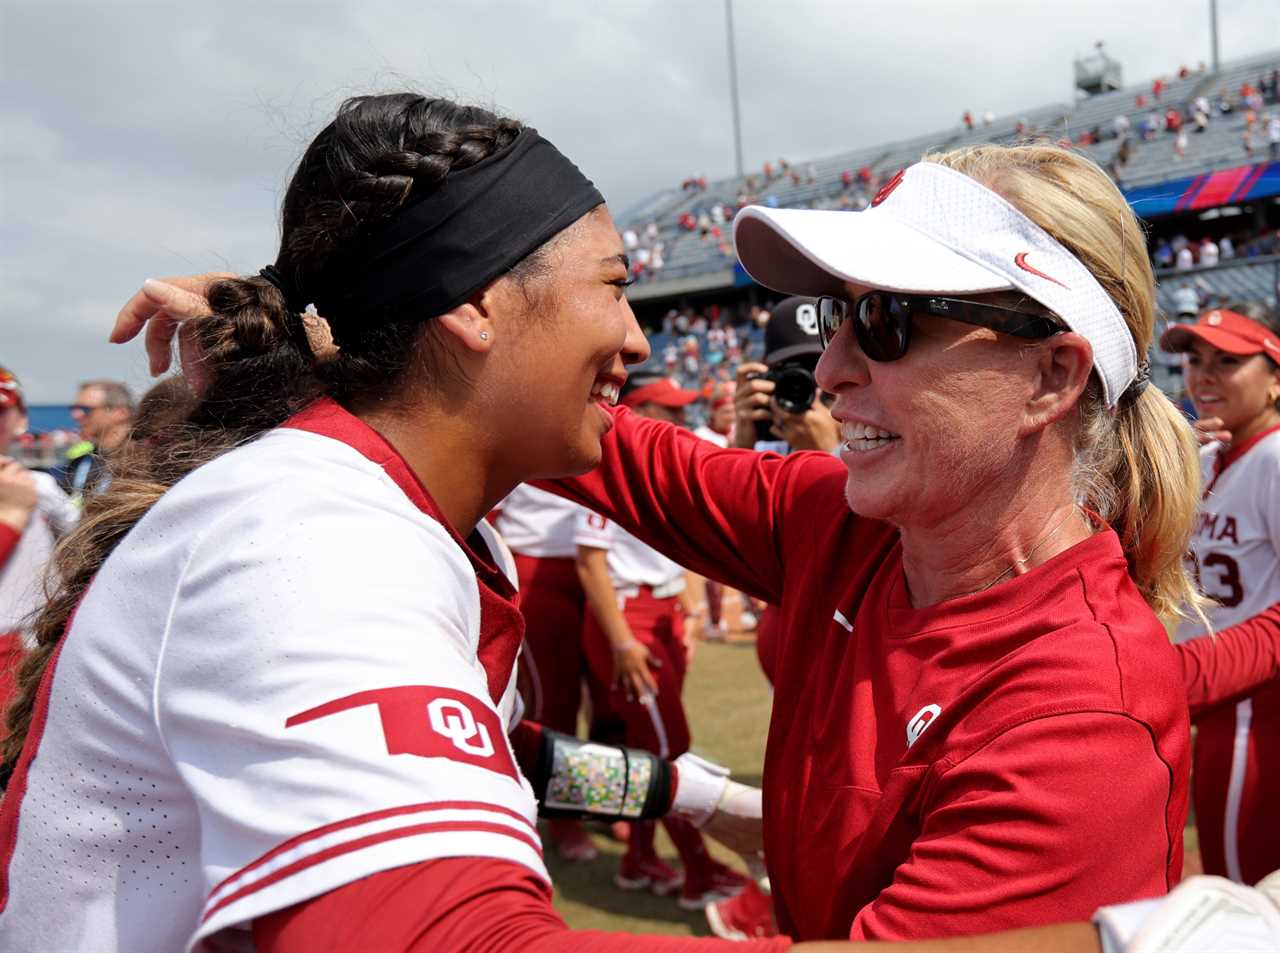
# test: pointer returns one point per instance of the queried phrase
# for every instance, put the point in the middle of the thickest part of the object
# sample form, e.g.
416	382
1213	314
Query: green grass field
727	700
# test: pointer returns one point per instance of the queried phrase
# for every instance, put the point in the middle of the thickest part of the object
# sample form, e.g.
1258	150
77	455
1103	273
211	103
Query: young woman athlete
1231	361
269	704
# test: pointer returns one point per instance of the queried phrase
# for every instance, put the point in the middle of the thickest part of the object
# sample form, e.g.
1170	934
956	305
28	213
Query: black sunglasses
882	320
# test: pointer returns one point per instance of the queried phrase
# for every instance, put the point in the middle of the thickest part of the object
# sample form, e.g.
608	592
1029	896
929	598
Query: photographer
777	404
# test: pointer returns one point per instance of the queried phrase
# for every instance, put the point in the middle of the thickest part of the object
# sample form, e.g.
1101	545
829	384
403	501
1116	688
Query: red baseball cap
655	389
1227	331
10	390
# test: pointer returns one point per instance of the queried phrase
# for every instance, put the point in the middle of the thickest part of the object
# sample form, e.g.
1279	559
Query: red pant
660	725
1236	787
551	663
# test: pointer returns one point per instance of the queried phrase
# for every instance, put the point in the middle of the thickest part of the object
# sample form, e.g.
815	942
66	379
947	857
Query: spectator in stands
1246	140
967	119
1140	102
1172	120
1226	249
1162	256
1208	252
1225	105
1185	260
1186	301
1273	136
1158	87
1151	125
1180	144
1120	126
104	411
1201	104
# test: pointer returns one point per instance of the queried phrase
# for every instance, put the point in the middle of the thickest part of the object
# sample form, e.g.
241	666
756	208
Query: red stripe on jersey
338	850
11	803
300	839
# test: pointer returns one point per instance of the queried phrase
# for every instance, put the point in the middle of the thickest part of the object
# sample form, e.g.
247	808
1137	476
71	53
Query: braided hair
378	155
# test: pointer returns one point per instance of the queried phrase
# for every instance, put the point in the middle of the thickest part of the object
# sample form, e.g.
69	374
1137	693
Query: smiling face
931	433
1240	390
563	341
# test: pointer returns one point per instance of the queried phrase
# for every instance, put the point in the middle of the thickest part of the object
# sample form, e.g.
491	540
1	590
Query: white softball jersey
22	576
1236	553
285	678
632	563
1236	544
537	523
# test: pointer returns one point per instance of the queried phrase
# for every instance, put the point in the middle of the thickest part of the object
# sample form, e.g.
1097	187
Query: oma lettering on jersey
428	722
1217	527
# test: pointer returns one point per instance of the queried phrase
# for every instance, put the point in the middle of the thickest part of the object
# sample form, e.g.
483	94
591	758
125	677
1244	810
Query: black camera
794	388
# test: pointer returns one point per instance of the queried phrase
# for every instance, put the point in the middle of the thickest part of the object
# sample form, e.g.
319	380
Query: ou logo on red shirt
429	722
922	720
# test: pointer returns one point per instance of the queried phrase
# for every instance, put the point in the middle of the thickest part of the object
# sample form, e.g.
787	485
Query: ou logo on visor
807	319
455	721
922	720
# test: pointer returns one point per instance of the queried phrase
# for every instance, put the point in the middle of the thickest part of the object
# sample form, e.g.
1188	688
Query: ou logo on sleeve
922	720
425	721
455	721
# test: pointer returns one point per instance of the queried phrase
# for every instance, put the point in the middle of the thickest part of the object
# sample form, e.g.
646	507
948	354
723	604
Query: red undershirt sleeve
1231	664
8	542
1035	827
457	905
717	512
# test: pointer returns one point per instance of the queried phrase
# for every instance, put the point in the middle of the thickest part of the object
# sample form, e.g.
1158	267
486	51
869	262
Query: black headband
481	221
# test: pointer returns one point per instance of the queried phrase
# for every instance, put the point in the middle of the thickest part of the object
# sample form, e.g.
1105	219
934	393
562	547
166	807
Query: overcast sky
149	139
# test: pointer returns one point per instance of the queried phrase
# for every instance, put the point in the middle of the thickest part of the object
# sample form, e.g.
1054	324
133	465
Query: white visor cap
933	230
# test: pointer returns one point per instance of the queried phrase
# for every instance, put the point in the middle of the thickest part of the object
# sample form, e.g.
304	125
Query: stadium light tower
1213	31
733	87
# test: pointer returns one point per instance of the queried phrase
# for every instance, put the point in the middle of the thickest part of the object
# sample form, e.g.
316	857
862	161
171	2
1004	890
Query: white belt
664	591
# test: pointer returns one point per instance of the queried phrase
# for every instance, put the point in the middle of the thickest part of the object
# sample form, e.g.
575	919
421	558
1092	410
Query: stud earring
484	335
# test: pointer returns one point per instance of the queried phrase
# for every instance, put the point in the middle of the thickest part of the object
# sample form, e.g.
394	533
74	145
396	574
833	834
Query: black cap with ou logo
792	330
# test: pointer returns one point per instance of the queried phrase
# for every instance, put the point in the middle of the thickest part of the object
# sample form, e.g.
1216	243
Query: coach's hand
17	494
751	399
632	664
161	306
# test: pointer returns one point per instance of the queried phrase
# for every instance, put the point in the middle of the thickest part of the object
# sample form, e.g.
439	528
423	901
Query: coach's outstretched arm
725	514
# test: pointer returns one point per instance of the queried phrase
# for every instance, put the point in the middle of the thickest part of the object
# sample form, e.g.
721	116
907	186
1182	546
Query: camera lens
794	389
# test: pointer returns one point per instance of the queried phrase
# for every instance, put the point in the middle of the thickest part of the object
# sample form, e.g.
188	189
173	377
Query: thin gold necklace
1018	564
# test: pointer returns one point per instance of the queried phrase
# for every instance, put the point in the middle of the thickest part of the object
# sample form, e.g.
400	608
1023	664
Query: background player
1231	364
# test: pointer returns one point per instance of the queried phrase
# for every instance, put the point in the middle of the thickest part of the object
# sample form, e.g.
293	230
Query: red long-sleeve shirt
1014	757
1233	663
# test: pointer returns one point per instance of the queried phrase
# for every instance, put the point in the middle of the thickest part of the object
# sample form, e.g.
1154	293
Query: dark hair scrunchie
294	328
